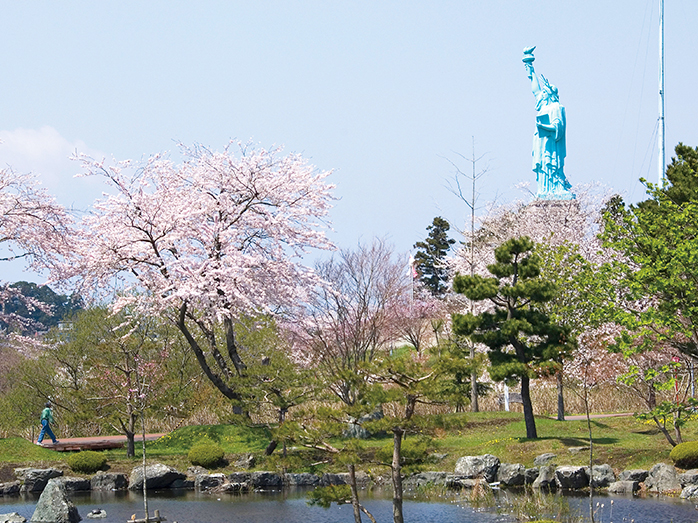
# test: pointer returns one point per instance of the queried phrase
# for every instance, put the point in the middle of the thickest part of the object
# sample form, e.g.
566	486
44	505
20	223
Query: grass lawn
622	442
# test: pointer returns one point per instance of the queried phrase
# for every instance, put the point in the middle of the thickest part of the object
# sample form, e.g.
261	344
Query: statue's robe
549	150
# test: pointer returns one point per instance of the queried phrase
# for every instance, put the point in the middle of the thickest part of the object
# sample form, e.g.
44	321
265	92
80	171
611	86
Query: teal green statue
549	148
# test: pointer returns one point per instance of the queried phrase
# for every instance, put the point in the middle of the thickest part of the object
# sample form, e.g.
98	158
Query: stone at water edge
511	474
484	466
546	478
571	477
157	476
544	459
663	478
12	517
638	475
54	505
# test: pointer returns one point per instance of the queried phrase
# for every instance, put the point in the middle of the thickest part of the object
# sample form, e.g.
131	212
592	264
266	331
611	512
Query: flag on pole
412	269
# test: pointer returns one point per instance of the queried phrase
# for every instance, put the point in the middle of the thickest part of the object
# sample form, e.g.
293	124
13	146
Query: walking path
95	442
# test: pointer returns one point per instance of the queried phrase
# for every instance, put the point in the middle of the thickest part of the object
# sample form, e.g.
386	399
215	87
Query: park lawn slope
622	442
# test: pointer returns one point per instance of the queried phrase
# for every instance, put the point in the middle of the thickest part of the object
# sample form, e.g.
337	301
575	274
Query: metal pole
662	142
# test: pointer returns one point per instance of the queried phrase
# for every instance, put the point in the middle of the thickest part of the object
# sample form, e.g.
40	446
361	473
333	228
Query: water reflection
286	506
289	506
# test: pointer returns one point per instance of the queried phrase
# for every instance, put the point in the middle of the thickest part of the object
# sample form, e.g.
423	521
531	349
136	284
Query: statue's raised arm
549	140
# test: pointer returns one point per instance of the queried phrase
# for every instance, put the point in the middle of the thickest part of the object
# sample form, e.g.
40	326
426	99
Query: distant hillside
62	306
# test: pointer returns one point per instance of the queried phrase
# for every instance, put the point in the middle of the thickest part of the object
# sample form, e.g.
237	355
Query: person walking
46	420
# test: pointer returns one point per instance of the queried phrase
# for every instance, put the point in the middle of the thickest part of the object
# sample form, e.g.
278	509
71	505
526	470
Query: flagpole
661	137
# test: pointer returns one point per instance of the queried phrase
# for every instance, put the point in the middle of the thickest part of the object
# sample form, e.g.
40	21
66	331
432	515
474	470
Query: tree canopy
430	258
206	242
523	342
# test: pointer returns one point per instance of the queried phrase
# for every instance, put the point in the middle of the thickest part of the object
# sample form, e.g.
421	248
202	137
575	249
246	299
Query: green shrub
685	455
87	461
207	455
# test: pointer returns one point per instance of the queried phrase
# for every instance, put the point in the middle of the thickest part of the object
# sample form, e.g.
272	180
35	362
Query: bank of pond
480	488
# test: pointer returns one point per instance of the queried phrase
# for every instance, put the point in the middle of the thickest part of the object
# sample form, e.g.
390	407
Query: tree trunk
664	431
397	475
354	493
130	444
677	431
528	409
560	397
271	447
474	406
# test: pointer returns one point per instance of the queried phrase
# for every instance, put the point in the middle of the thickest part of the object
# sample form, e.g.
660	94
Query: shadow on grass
575	442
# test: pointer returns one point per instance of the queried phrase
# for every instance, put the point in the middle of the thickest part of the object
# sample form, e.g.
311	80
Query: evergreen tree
431	254
524	343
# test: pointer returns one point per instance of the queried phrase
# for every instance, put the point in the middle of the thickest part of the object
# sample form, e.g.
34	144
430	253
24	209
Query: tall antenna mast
662	146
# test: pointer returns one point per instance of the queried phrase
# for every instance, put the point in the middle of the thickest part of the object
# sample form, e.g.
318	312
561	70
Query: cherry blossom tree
205	241
571	255
353	319
33	228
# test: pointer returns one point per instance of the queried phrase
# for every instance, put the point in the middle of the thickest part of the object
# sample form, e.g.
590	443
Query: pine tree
431	254
524	343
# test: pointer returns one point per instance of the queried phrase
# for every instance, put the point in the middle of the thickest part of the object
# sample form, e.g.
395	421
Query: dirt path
115	439
94	442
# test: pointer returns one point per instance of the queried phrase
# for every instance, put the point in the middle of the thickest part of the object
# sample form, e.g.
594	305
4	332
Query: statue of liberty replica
549	148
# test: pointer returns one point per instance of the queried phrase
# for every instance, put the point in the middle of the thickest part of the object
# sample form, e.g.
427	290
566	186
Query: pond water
290	507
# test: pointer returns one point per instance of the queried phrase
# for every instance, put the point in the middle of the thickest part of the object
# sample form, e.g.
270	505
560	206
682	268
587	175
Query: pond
290	507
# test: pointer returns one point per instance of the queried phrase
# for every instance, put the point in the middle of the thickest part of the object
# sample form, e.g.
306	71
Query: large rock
544	459
10	489
602	475
690	477
626	487
12	517
240	477
638	475
484	466
355	428
109	481
530	475
157	476
662	478
246	462
265	480
423	479
54	505
304	479
35	480
184	484
571	478
208	481
74	484
546	478
362	479
511	474
328	479
690	492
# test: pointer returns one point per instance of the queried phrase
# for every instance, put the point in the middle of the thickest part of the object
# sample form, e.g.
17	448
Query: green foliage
685	455
87	461
413	456
325	496
207	455
457	368
524	342
431	255
234	439
657	240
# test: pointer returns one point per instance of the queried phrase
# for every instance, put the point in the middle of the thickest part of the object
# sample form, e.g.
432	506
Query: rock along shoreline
470	471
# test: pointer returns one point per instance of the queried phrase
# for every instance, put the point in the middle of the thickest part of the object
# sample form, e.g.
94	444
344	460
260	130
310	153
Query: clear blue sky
383	92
